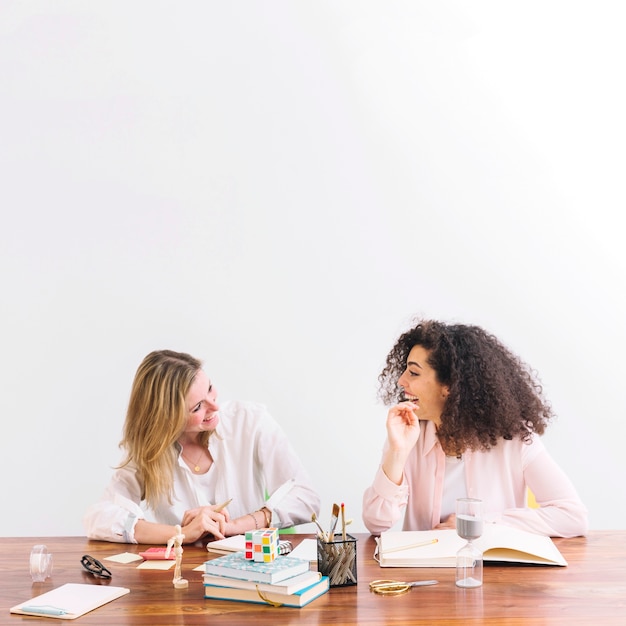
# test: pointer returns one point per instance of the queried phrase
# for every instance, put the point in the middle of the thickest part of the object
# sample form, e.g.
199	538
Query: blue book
275	598
236	565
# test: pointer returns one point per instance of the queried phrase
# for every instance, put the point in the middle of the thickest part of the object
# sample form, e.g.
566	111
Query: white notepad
69	601
306	549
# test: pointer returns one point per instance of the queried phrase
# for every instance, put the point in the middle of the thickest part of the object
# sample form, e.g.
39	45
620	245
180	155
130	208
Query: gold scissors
397	587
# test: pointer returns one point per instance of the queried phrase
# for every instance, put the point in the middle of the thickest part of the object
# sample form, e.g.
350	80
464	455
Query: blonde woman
185	457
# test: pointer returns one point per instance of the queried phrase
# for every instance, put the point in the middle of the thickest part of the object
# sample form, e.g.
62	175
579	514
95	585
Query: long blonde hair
156	418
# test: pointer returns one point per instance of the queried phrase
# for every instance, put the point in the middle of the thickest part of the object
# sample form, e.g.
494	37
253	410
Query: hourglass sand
469	526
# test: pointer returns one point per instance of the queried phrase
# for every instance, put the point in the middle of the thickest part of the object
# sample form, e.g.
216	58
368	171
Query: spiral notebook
69	601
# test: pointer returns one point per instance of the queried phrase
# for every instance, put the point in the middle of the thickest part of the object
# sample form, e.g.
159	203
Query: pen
44	610
219	507
412	545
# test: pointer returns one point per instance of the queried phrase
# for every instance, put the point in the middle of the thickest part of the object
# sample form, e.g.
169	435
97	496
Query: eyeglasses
93	566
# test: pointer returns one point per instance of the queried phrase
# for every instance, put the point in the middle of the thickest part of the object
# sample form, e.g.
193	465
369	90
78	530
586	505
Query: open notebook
69	601
306	549
237	543
498	543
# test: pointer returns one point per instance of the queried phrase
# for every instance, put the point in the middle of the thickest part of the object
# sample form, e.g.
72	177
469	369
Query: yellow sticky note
157	564
124	557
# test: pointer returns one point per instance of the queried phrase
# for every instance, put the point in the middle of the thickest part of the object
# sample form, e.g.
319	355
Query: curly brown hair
493	393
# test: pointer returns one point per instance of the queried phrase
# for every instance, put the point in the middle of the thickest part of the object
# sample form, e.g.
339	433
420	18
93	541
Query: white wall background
278	188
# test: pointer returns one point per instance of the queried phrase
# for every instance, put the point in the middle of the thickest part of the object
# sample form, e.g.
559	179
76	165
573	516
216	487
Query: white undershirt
453	485
204	485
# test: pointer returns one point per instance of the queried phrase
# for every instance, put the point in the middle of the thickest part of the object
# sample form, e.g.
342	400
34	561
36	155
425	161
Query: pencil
412	545
219	507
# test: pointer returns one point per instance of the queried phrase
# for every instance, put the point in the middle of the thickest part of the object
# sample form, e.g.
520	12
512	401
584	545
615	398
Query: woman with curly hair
186	457
465	421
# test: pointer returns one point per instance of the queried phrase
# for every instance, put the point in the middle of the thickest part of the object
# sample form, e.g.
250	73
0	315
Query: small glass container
40	563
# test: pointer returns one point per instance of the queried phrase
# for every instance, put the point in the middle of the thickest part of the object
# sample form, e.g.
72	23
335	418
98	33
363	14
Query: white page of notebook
74	598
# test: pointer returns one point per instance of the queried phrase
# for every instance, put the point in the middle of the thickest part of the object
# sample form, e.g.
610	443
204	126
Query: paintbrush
343	522
333	522
322	533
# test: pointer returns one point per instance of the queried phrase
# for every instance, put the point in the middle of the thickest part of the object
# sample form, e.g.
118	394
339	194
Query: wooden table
590	590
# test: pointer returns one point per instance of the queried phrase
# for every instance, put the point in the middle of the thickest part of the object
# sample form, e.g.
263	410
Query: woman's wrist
261	518
267	516
254	518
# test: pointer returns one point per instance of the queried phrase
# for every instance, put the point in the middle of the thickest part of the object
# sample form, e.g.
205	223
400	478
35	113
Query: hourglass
469	526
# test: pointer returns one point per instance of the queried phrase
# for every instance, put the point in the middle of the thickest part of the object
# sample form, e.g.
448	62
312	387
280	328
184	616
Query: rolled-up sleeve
114	516
384	502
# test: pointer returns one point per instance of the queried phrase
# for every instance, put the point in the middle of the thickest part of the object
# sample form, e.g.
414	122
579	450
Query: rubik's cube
262	545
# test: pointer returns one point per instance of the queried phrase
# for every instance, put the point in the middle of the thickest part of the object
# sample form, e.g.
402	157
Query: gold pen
219	507
410	546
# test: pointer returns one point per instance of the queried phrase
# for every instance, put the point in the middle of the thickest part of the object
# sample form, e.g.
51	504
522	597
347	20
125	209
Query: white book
288	586
298	599
497	543
234	543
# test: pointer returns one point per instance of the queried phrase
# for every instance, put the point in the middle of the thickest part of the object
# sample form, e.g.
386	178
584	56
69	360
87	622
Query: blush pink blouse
500	477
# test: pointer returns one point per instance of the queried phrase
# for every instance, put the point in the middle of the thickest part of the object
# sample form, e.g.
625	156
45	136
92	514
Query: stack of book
287	581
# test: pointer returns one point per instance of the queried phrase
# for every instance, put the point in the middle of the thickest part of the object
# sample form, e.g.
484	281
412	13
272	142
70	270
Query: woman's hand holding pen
402	433
205	520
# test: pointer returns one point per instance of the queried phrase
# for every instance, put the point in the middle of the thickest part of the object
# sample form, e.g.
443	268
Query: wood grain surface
590	590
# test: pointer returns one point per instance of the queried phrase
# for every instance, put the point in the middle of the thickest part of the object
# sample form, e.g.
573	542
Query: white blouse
252	459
